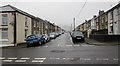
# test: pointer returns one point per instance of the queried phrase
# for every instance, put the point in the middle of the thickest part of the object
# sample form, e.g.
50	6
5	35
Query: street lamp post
71	27
74	23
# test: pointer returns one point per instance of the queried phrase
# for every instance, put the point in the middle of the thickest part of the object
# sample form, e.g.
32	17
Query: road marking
1	58
71	40
55	58
85	59
37	61
58	58
88	45
58	45
13	58
68	45
19	61
7	60
64	58
39	58
115	59
51	58
106	59
98	59
76	45
68	58
45	46
25	58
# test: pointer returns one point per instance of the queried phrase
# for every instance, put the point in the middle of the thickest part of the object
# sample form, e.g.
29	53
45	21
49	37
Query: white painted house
114	20
93	23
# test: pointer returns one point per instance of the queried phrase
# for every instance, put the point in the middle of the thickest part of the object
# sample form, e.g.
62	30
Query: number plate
78	38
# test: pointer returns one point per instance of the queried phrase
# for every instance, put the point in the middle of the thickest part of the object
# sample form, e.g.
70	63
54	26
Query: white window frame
1	39
4	19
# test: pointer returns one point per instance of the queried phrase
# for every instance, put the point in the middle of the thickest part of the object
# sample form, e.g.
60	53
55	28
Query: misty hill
65	27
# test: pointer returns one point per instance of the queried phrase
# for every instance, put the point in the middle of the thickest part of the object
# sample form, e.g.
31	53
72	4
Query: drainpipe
15	28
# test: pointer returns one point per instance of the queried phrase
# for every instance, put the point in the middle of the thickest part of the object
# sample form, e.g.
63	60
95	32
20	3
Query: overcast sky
62	12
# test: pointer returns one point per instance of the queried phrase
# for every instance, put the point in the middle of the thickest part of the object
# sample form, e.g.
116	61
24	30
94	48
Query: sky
62	12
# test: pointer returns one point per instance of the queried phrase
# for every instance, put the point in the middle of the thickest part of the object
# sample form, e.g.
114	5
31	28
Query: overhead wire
81	8
15	2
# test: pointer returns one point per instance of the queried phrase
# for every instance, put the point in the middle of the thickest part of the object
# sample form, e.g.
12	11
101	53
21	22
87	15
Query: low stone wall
105	38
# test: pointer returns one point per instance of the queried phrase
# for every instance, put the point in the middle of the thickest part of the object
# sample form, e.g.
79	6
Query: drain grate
58	51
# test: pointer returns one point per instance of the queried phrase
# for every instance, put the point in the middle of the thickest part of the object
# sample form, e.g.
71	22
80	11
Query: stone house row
106	23
16	25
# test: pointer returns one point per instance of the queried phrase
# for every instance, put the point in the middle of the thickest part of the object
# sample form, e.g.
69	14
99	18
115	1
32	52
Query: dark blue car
34	40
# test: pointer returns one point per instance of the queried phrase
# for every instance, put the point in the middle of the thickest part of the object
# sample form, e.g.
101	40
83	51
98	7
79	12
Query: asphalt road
61	51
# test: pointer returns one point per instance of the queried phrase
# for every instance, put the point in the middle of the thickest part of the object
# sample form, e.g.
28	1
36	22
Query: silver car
52	35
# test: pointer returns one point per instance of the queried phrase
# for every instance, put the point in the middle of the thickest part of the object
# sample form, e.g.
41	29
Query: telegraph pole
71	27
74	23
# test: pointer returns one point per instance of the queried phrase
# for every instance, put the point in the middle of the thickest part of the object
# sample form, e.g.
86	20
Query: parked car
62	32
53	35
46	37
57	34
70	33
77	36
34	40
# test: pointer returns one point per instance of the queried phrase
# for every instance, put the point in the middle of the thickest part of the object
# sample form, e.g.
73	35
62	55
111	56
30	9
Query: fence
105	38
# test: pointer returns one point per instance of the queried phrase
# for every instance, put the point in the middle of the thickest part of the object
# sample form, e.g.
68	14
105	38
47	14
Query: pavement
6	45
18	45
100	43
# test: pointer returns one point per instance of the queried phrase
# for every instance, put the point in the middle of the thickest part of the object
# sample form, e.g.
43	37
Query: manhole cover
57	51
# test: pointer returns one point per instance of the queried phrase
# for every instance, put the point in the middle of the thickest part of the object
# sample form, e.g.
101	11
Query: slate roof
9	8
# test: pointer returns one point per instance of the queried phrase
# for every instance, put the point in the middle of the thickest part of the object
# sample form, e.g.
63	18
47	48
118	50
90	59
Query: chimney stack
101	12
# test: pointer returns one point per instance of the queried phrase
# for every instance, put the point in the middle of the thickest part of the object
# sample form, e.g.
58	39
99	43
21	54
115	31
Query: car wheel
73	40
27	46
40	43
45	41
34	45
83	40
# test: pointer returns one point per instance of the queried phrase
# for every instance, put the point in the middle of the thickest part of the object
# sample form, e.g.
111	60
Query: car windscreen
77	33
30	37
52	33
39	35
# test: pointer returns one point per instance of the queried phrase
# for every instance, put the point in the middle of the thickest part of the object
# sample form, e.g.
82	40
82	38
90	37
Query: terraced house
114	20
37	25
101	23
104	26
16	25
